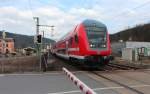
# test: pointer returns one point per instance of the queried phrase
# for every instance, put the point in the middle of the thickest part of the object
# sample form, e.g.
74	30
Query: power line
135	8
30	8
146	3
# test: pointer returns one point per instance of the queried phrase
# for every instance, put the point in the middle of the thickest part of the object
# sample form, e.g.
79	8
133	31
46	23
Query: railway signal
39	39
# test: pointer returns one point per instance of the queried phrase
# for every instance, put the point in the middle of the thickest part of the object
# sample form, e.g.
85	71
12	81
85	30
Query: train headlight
105	57
104	45
91	45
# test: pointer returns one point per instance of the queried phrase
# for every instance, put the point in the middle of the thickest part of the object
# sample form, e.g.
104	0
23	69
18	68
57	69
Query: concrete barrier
19	64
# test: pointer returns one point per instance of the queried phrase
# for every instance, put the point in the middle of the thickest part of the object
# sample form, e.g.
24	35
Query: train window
76	38
75	28
70	41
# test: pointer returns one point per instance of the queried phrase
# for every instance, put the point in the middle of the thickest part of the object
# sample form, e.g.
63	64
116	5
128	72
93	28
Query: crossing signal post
38	39
38	43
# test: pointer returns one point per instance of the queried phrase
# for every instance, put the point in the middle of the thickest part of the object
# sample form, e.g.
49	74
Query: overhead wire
122	14
132	9
30	9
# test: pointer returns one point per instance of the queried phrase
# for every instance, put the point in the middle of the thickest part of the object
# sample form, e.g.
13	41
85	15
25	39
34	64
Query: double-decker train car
88	43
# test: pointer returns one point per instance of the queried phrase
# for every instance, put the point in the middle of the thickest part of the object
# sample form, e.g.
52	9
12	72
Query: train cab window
96	33
76	38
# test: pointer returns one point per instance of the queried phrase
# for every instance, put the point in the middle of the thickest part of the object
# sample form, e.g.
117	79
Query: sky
16	16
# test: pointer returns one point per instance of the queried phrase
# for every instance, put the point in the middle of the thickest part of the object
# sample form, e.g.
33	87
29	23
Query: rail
121	66
114	81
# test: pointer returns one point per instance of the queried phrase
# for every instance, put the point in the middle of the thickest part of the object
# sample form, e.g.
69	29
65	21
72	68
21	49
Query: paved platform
58	83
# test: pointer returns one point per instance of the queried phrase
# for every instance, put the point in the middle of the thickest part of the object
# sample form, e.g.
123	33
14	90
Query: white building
129	50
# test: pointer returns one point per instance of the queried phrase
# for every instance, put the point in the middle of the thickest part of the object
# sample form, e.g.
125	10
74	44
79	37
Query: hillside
138	33
22	41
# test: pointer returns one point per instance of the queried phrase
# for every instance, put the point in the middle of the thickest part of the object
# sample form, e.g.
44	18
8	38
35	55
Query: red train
89	42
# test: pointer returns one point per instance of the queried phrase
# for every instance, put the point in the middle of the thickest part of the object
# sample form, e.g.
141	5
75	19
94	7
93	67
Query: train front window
96	36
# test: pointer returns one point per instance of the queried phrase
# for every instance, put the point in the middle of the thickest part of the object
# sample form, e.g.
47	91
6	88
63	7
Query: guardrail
83	87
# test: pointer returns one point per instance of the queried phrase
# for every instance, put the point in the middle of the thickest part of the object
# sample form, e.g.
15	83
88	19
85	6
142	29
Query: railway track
109	67
80	67
118	67
114	66
124	67
116	82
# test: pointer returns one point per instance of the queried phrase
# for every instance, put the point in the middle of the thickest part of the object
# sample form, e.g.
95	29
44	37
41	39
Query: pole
38	48
43	41
37	33
4	42
3	49
37	24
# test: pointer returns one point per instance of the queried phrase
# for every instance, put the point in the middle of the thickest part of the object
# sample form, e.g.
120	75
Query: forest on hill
22	41
137	33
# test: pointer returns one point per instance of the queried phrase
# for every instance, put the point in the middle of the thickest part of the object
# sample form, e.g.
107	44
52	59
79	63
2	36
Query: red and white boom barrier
83	87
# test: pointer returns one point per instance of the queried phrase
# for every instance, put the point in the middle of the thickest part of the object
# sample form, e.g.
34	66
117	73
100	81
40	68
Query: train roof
90	22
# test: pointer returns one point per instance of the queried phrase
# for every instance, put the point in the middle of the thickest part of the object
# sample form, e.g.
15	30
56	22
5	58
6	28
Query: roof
90	22
8	40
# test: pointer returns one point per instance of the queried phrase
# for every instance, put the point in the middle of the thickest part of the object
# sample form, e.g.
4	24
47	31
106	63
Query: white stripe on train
73	49
67	56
